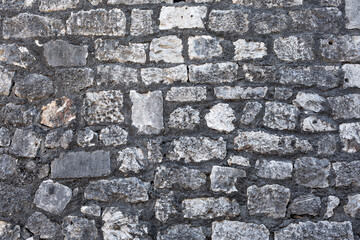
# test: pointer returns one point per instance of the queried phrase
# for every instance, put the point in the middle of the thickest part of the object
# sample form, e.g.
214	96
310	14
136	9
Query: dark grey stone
268	22
41	226
343	48
25	143
347	173
312	172
182	232
18	115
305	205
81	165
34	87
5	137
346	106
14	201
73	80
8	166
78	228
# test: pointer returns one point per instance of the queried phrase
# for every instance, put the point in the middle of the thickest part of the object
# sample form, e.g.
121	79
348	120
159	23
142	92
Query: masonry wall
204	119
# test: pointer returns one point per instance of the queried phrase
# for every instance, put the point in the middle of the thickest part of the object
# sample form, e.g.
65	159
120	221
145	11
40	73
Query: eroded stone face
55	5
223	179
59	112
312	172
16	55
221	117
6	78
167	49
60	53
182	17
349	135
234	230
229	21
41	225
25	143
185	231
294	48
79	228
204	47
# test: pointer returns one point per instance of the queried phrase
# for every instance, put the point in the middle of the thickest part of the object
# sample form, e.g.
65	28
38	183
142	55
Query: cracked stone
87	138
79	228
9	231
332	203
250	112
91	210
165	207
16	55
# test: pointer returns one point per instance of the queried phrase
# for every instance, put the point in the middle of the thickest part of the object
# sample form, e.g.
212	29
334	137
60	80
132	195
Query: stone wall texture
180	120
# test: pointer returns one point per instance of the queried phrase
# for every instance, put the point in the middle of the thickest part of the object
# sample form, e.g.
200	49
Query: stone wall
166	120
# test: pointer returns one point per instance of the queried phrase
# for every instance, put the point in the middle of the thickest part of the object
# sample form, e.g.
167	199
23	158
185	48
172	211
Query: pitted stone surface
234	230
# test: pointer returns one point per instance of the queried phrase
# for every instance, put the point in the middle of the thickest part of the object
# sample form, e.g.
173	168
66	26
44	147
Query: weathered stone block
116	74
352	208
273	169
294	48
113	136
147	111
317	124
238	160
268	200
73	80
332	203
250	112
164	75
197	149
131	190
86	138
165	207
352	14
167	49
141	22
5	137
269	4
305	205
347	173
229	21
56	5
6	79
79	228
346	106
59	112
16	55
103	107
249	50
280	115
97	22
131	159
182	17
234	230
41	225
60	53
186	94
213	72
8	166
312	172
340	48
351	75
135	2
185	231
91	210
309	101
112	51
268	22
221	117
25	143
239	92
184	118
27	25
81	165
208	208
223	179
266	143
204	47
58	138
18	115
52	197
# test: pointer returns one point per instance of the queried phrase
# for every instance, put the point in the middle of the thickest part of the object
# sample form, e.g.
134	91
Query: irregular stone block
169	177
259	74
184	118
351	75
34	87
164	75
103	107
97	22
250	112
147	111
113	136
266	143
60	53
239	92
16	55
340	48
59	138
208	208
5	137
238	160
347	173
221	117
309	101
204	47
234	230
273	169
112	51
25	143
27	25
8	166
165	207
119	224
16	5
79	228
305	205
352	14
249	50
131	159
182	231
52	197
6	79
116	74
280	115
349	135
73	80
213	72
14	201
317	124
317	19
332	203
87	138
186	94
346	106
319	230
56	5
283	93
91	210
229	21
18	115
59	112
197	149
131	190
312	172
269	4
294	48
182	17
81	164
167	49
327	145
353	206
141	22
9	232
268	200
268	22
41	225
219	183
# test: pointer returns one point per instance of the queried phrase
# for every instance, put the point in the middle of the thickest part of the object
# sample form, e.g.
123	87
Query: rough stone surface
305	205
52	197
319	230
74	79
234	230
221	117
273	169
141	22
182	17
238	92
116	74
184	118
41	225
97	22
6	79
268	200
332	203
220	183
16	55
347	173
79	228
131	190
113	136
167	49
131	160
164	75
54	5
147	111
280	116
186	94
8	166
340	48
309	101
267	22
183	231
8	231
213	72
294	48
91	210
60	53
349	135
165	207
250	111
249	50
317	124
352	208
312	172
351	75
71	165
59	112
208	208
204	47
229	21
200	149
351	11
25	143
